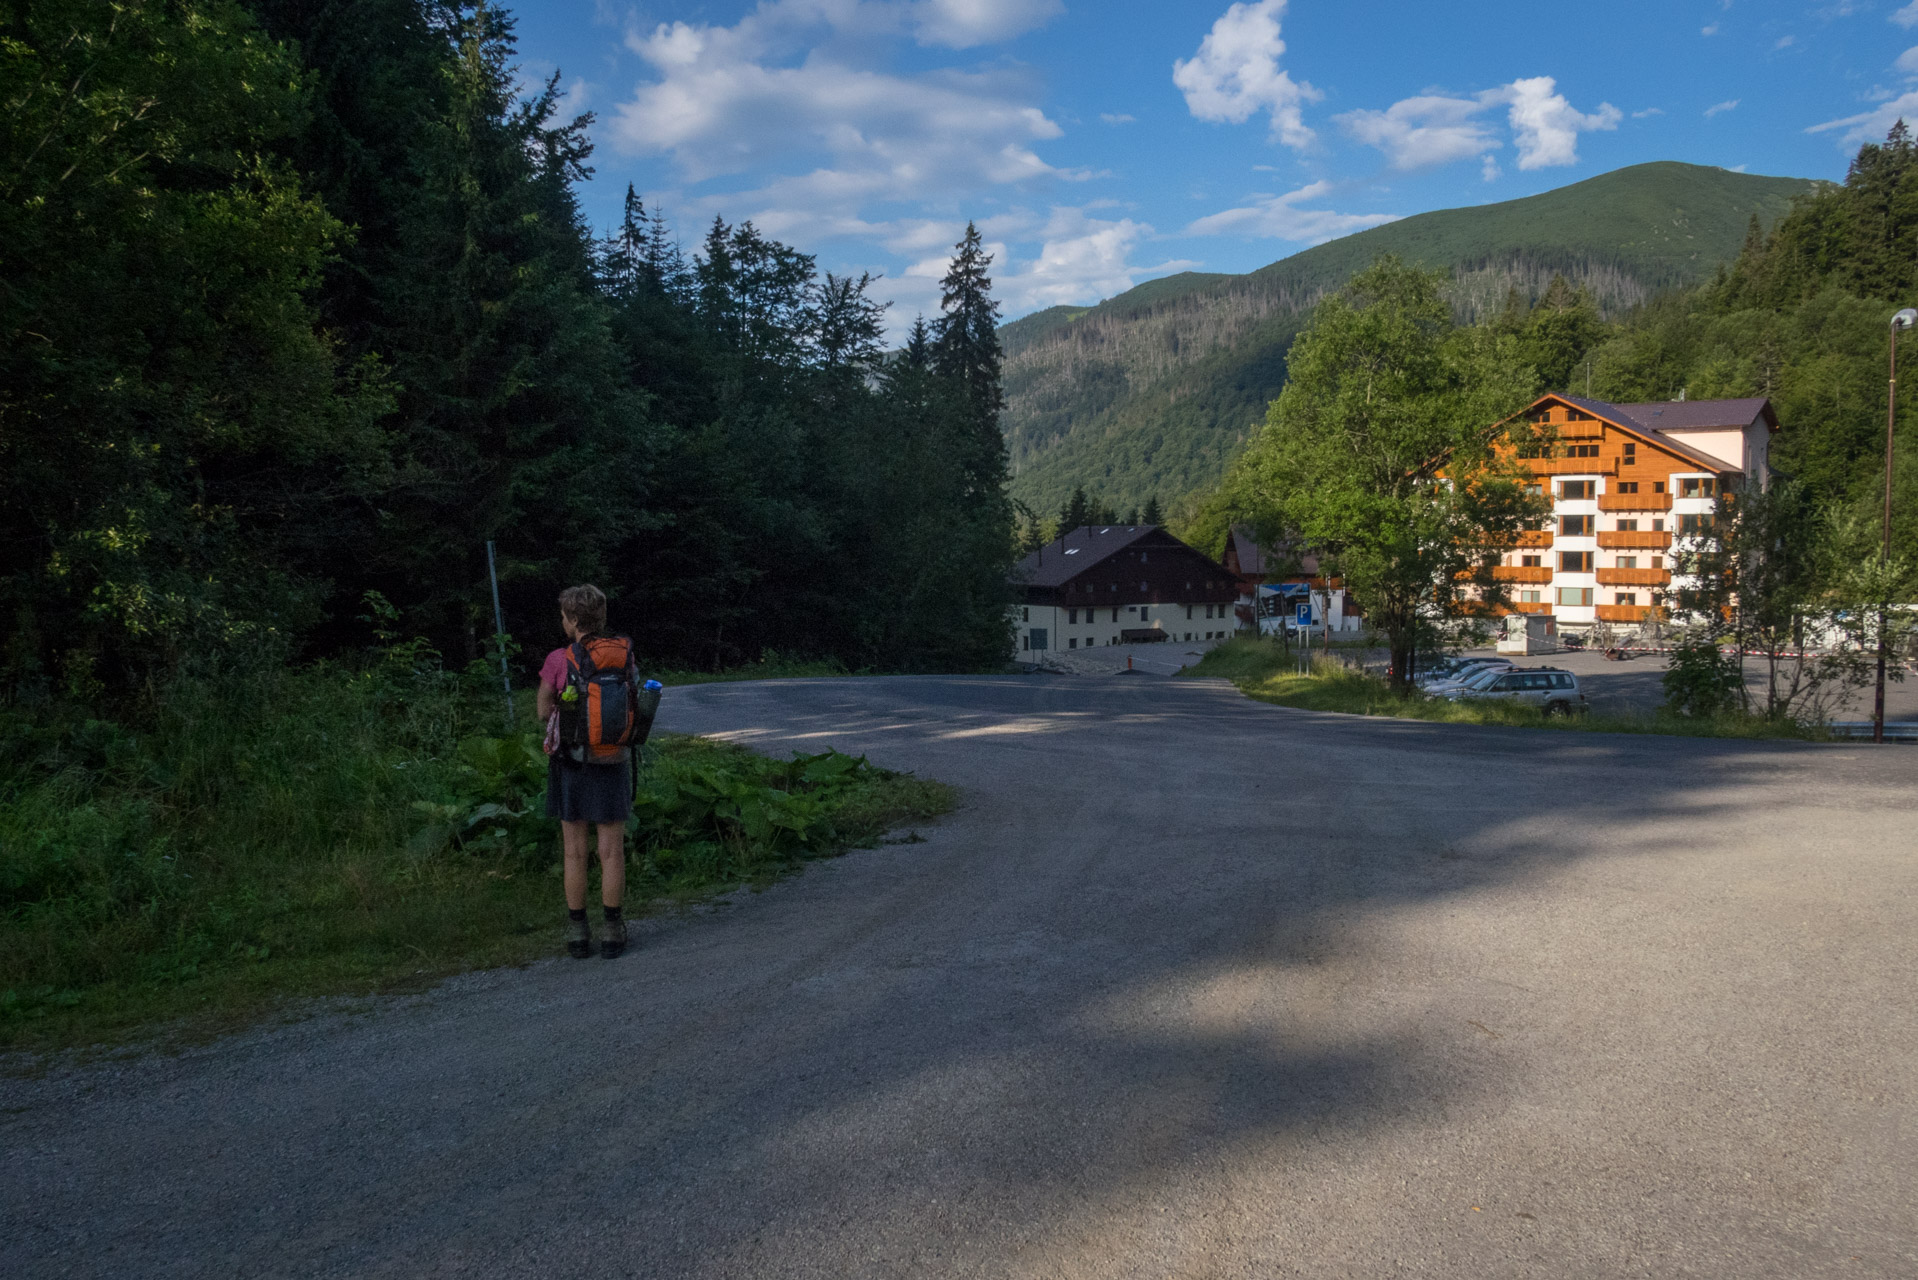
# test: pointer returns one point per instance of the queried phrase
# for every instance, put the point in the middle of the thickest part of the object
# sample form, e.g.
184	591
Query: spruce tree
965	352
1152	513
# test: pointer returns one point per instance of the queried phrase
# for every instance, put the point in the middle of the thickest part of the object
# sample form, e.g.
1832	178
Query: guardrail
1902	731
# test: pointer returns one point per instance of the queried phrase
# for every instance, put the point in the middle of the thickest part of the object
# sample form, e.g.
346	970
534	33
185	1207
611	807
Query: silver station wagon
1551	690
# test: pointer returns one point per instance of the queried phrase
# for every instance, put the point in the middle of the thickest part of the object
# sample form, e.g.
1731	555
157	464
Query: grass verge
1265	672
333	832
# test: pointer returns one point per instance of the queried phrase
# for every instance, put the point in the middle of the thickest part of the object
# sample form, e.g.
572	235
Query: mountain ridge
1152	390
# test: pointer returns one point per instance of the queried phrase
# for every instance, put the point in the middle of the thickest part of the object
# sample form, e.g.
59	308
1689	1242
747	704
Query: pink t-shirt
552	672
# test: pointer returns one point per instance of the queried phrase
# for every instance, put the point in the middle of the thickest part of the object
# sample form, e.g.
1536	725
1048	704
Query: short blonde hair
586	606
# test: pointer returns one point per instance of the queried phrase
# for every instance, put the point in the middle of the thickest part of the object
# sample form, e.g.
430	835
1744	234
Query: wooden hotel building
1628	483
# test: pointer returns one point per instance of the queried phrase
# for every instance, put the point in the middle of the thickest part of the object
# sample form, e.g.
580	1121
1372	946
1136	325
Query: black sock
576	913
612	913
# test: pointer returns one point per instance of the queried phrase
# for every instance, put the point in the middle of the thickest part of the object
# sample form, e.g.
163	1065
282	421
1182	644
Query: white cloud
1647	113
1280	218
1548	125
1711	30
1490	171
1235	74
1081	259
1721	108
1432	130
755	95
1907	16
1420	132
1908	61
1116	118
1872	126
1786	42
962	24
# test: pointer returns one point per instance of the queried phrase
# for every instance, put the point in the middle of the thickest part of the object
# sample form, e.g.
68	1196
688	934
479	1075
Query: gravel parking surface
1191	986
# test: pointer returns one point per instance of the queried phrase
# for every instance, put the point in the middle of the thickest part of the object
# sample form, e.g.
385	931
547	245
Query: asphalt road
1190	987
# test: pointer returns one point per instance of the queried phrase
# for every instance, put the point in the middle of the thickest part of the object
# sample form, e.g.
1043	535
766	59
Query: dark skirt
588	792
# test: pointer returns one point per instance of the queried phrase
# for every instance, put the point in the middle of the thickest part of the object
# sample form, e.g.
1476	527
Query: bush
342	830
1702	680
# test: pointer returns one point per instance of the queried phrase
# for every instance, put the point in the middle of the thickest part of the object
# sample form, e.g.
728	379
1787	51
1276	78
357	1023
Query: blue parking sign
1305	614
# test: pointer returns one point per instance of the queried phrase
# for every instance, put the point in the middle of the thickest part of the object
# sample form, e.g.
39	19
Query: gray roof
1068	556
1251	554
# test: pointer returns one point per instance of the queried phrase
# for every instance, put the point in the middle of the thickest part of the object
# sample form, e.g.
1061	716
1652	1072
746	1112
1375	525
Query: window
1115	611
1536	488
1025	642
1628	598
1574	562
1143	615
1073	643
1628	562
1658	526
1628	486
1581	451
1658	486
1695	488
1574	526
1188	608
1628	526
1072	615
1528	597
1025	615
1576	597
1694	525
1658	562
1531	562
1631	453
1578	490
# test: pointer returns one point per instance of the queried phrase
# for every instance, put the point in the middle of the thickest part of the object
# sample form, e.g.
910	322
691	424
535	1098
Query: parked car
1551	689
1453	670
1470	679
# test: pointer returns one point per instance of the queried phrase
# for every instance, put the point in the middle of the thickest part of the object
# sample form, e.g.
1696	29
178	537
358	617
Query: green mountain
1154	390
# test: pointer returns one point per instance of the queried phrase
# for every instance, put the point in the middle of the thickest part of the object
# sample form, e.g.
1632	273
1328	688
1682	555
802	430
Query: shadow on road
1191	984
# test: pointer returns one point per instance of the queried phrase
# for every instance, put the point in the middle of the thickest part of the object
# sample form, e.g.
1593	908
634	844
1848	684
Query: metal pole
1903	320
499	635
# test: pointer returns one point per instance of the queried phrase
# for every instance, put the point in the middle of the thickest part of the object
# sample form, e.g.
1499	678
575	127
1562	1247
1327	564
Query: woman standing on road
581	794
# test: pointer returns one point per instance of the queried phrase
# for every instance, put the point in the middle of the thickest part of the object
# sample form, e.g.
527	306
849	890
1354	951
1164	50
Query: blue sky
1099	145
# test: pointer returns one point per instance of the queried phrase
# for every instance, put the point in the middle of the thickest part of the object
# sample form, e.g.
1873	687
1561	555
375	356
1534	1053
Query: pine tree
965	351
1077	512
919	344
1152	514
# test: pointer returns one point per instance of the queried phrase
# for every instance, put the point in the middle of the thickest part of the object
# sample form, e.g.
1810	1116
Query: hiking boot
579	939
615	940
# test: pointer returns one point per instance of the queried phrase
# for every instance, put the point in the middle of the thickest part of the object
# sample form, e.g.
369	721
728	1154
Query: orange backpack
603	712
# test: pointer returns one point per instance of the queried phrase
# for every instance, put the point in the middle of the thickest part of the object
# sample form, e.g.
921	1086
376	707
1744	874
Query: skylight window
1072	551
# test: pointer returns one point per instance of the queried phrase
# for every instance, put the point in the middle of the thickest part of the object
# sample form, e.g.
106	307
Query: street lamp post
1903	320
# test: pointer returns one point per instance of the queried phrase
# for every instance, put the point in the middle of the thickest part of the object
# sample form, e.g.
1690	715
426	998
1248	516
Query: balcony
1634	502
1572	466
1634	578
1535	538
1522	573
1634	539
1625	612
1519	606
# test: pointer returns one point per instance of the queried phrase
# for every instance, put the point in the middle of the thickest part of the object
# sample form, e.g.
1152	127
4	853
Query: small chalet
1119	584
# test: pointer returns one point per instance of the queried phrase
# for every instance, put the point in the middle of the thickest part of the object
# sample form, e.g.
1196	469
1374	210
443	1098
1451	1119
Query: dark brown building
1119	584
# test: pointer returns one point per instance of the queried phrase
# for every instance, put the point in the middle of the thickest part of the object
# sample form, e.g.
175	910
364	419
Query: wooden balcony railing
1625	612
1634	502
1572	466
1634	577
1535	538
1539	606
1634	539
1522	573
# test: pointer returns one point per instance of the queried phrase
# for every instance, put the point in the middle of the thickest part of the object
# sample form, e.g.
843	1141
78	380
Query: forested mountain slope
1151	392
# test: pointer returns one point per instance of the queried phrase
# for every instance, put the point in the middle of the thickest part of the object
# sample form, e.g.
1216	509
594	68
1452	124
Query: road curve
1190	986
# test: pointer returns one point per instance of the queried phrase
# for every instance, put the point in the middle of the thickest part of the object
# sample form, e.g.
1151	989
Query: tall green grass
340	831
1265	672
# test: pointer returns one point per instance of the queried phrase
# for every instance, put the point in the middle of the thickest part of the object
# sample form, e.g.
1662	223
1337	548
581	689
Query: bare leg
612	864
573	845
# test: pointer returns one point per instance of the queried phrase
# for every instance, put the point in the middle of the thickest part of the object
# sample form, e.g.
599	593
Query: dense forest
300	310
1801	316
